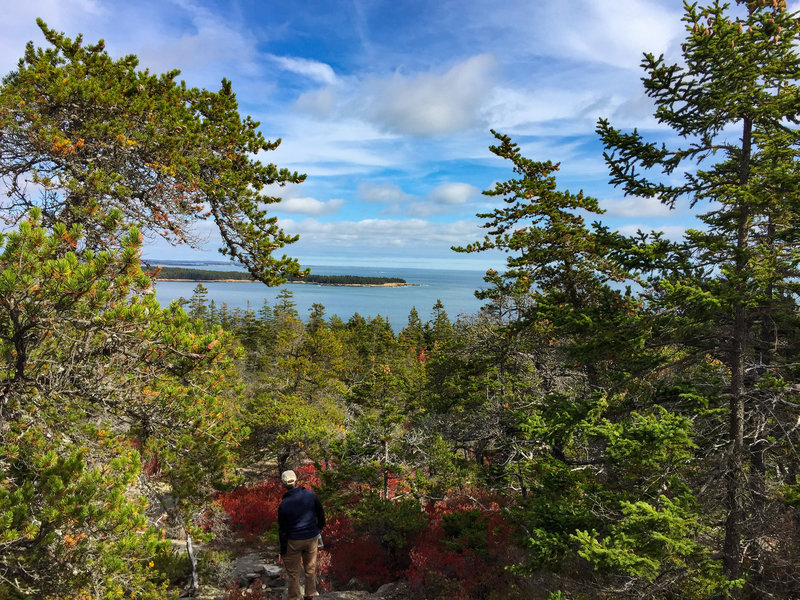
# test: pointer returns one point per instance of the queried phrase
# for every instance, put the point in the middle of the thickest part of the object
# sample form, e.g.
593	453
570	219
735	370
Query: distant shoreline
187	275
391	284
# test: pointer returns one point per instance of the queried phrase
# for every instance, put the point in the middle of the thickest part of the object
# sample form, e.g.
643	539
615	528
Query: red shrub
461	552
463	556
362	558
253	510
349	554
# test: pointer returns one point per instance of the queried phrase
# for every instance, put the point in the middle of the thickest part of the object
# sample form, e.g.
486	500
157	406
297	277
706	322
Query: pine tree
198	303
414	333
108	146
96	379
439	328
731	287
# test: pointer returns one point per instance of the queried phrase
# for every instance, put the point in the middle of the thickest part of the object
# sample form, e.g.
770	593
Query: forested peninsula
188	274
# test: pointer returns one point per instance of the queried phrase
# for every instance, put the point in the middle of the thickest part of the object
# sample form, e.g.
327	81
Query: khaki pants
307	550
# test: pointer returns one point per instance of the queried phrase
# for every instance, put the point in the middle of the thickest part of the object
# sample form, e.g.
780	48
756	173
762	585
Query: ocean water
454	288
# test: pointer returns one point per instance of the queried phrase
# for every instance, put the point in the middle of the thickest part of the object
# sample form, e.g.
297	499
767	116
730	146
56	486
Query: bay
455	288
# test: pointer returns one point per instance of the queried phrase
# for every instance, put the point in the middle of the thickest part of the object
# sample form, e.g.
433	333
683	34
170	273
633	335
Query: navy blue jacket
300	516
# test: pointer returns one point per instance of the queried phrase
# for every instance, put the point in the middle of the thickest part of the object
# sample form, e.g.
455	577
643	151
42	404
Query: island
199	275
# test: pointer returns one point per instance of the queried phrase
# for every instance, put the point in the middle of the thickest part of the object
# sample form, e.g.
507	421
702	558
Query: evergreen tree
439	328
96	380
414	333
197	305
730	289
566	354
108	146
316	317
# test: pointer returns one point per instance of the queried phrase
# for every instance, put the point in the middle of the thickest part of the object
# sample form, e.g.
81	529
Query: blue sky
387	105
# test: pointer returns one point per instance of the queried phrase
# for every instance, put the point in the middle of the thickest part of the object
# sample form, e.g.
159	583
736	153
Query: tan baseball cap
288	477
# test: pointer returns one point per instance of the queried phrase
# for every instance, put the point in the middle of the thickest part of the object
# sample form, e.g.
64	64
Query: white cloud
313	69
419	105
415	235
336	147
205	51
308	206
636	207
512	107
294	200
432	104
613	33
447	197
382	193
453	193
319	104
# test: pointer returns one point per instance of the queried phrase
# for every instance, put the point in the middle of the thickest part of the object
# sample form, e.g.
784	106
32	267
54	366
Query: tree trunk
734	476
733	523
385	469
194	584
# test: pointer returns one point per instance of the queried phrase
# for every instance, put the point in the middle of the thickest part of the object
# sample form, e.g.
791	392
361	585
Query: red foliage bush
350	554
462	564
461	552
253	510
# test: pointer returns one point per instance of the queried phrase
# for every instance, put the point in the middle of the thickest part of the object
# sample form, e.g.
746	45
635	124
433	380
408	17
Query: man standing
300	520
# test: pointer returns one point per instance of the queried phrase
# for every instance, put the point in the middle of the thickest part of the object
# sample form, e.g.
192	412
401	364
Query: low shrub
463	552
253	510
447	549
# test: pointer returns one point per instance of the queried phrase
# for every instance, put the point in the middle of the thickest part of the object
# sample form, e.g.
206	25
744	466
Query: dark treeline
201	274
206	275
347	280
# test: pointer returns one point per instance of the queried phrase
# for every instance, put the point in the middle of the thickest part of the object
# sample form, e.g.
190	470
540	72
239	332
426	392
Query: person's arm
320	513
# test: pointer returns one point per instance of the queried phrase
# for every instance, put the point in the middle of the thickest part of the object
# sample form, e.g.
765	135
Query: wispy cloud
637	207
308	206
443	199
383	193
597	31
453	193
313	69
417	236
432	104
419	104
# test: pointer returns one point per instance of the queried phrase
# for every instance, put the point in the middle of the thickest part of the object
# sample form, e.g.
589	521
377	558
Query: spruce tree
729	291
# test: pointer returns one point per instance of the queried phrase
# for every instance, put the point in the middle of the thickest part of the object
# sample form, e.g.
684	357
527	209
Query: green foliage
58	511
392	521
625	412
109	146
466	531
728	292
646	443
173	566
655	540
296	389
92	370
